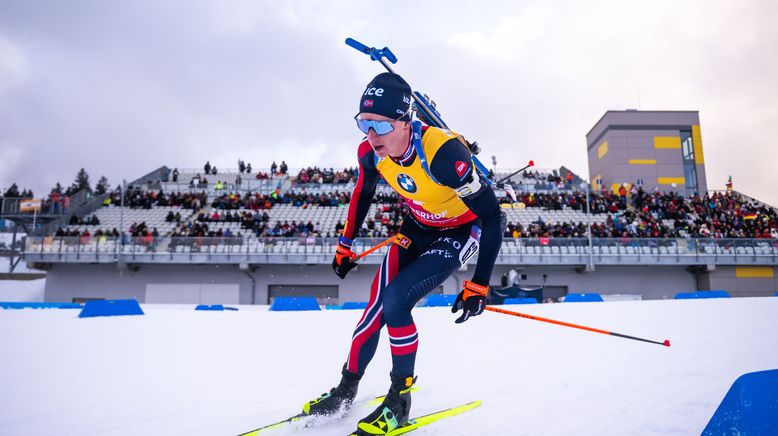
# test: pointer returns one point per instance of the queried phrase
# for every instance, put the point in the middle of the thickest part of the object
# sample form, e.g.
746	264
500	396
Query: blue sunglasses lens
380	127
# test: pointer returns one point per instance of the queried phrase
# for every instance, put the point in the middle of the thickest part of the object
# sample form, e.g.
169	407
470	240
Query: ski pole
666	343
376	247
530	164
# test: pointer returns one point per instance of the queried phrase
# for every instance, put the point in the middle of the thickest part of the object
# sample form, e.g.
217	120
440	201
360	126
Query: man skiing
454	214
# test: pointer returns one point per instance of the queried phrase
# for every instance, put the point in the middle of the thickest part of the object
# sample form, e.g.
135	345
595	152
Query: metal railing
572	251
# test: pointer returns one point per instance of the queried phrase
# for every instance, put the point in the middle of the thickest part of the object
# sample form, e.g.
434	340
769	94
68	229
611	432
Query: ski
421	421
283	423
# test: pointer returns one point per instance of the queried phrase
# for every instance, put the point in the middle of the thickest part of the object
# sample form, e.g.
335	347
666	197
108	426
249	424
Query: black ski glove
472	301
345	261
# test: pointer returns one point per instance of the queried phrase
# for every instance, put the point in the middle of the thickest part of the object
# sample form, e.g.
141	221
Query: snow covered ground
175	371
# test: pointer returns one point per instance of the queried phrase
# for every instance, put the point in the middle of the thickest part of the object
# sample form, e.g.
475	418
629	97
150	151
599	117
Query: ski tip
666	343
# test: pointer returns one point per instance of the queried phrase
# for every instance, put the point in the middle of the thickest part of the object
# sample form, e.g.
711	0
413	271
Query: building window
687	148
690	174
689	168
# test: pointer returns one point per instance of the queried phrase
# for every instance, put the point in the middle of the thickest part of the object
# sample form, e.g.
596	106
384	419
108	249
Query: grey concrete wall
725	279
68	281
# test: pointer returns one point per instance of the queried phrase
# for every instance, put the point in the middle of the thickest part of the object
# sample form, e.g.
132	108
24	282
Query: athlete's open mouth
378	147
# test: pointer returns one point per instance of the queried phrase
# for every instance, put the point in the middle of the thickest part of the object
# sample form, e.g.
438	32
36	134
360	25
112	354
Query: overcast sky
121	88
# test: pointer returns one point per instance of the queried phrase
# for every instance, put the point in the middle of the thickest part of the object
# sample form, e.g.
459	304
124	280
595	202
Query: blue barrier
294	304
210	307
776	293
351	305
526	300
439	300
583	298
686	296
15	305
110	308
714	294
333	307
749	407
701	295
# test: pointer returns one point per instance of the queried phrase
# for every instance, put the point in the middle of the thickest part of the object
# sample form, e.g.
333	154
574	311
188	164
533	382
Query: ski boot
337	399
393	412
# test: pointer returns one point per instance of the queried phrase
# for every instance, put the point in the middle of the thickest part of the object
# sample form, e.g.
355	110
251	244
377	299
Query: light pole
586	186
121	214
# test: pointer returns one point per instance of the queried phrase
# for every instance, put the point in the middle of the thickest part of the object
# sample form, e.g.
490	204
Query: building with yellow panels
649	148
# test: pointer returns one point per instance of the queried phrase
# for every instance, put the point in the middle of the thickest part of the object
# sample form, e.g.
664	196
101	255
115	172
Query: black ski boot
337	399
393	412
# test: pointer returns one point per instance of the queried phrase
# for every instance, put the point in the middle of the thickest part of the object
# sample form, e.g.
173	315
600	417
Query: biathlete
453	214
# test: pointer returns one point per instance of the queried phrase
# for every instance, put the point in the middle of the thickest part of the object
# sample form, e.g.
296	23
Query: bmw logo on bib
406	182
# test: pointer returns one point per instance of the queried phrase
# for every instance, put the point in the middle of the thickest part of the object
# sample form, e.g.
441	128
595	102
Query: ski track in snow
175	371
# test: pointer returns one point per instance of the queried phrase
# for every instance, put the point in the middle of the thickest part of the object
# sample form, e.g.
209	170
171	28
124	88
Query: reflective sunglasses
379	127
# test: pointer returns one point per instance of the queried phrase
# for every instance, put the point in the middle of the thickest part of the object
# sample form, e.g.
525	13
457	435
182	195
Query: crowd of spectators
277	170
540	181
717	215
203	230
640	214
81	221
257	201
138	199
630	211
323	175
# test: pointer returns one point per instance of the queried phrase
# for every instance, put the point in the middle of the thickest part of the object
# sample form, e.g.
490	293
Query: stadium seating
111	217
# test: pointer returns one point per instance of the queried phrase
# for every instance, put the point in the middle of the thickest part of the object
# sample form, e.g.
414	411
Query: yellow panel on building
602	150
670	180
699	159
667	142
754	272
642	161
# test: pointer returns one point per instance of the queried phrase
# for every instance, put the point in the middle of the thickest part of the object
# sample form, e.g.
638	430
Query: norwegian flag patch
461	167
367	103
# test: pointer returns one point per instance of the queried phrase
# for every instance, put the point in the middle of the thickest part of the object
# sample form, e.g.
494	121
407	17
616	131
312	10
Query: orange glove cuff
471	289
342	252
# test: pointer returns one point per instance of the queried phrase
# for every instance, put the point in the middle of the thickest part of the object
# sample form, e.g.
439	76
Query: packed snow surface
176	371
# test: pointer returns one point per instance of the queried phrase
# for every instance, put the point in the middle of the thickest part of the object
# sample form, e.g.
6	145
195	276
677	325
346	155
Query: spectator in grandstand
248	168
283	168
452	208
241	166
273	168
207	167
175	175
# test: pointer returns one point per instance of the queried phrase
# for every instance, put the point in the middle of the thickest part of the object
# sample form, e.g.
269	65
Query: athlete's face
393	143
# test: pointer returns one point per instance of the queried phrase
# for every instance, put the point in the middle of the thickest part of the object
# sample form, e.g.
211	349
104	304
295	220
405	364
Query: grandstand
261	238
